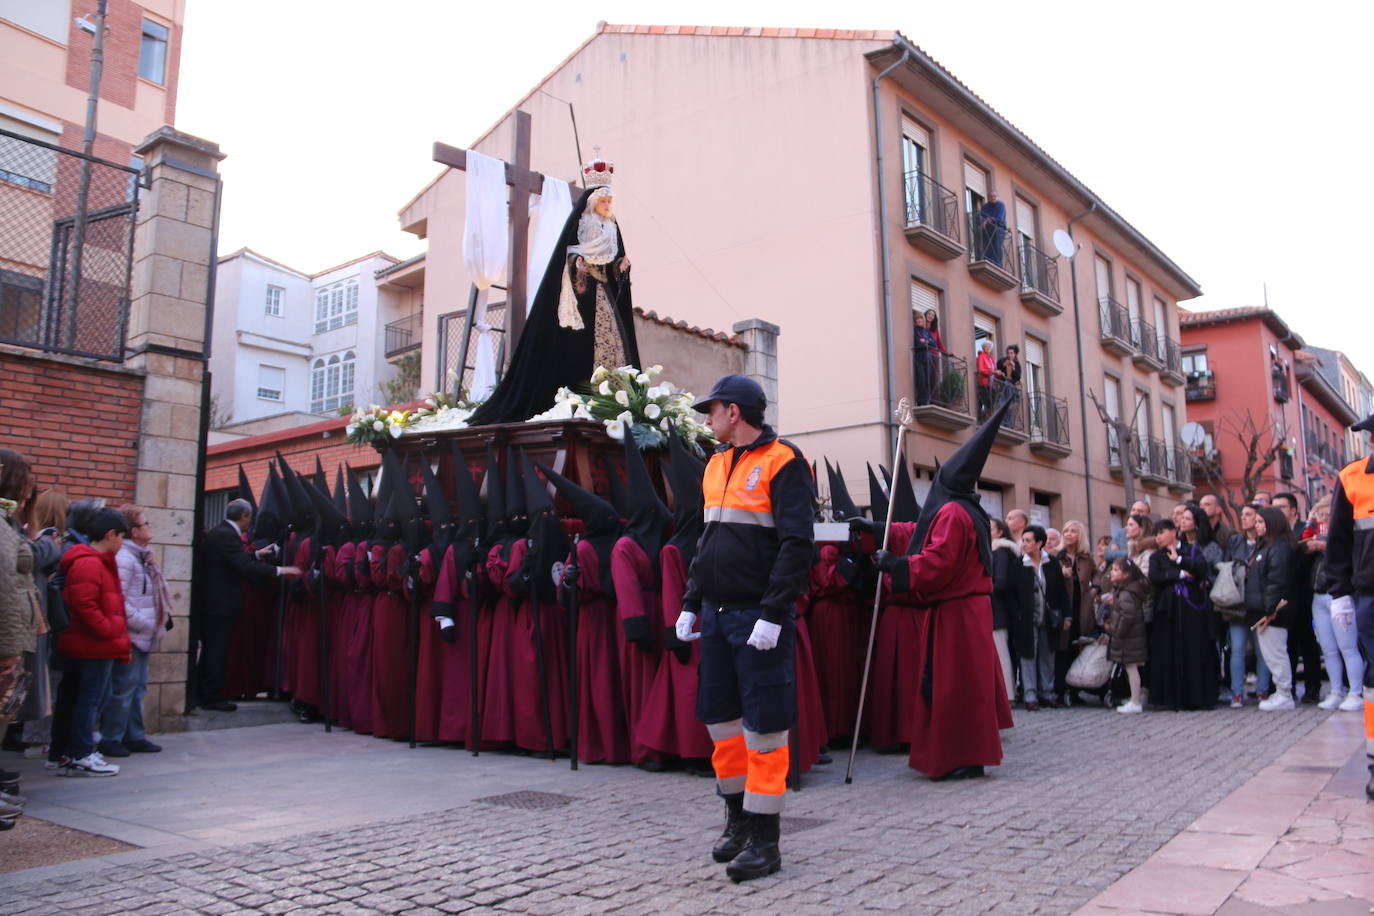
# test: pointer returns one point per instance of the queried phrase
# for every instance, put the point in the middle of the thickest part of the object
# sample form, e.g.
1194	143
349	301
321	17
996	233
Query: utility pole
78	241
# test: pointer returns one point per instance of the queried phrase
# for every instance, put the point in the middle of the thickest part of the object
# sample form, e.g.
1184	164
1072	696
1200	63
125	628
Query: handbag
1091	669
1228	590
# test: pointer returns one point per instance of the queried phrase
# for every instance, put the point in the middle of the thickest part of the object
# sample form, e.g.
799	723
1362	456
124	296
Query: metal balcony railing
941	380
1015	419
1180	466
1171	355
1114	321
931	204
404	334
1039	271
1144	340
1049	420
1200	386
990	242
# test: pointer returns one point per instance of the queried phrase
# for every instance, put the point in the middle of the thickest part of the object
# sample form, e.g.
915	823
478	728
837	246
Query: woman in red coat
97	638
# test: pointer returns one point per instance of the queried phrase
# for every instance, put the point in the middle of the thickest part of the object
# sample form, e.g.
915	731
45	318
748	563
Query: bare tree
1260	446
221	411
1125	434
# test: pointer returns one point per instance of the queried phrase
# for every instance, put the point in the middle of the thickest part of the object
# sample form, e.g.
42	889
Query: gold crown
597	173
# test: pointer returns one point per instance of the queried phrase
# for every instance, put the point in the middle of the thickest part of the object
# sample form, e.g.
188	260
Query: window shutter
923	297
916	133
1025	219
975	179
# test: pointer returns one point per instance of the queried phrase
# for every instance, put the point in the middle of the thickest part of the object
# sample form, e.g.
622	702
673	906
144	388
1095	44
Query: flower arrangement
634	402
377	424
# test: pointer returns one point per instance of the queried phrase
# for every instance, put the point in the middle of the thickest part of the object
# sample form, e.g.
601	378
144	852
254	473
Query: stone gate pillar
170	294
761	358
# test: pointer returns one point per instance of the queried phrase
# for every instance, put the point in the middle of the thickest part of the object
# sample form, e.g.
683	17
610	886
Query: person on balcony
1009	366
924	352
987	372
992	229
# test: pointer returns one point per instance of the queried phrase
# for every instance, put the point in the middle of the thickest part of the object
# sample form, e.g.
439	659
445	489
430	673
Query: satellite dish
1063	243
1193	435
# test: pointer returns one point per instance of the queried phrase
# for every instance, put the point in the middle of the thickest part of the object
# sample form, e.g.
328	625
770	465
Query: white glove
445	622
1343	611
765	635
685	621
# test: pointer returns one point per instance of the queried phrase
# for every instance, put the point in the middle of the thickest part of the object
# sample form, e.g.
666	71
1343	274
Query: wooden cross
523	182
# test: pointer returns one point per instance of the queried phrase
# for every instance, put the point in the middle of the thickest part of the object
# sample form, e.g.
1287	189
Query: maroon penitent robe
838	621
638	610
896	676
679	733
603	728
959	724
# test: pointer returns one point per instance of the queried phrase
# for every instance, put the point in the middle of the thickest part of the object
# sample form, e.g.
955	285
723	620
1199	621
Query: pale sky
1213	127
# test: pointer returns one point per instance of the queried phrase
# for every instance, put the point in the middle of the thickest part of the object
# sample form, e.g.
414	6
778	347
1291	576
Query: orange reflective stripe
768	772
730	759
1359	489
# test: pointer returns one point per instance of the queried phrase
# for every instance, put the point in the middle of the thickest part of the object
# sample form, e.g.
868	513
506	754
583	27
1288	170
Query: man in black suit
226	563
1042	601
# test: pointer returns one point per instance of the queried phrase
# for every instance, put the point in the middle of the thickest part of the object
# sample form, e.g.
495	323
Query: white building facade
286	342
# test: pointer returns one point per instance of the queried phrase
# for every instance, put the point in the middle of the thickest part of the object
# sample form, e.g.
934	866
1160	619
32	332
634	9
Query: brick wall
299	446
76	420
123	45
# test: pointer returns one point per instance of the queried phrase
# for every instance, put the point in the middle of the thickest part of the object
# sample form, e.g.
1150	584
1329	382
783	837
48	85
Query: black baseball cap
733	389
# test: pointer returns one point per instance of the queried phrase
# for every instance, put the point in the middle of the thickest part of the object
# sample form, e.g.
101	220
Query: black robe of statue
550	356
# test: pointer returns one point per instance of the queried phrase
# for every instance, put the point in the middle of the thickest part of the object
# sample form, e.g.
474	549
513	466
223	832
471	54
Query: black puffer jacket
1273	567
1006	563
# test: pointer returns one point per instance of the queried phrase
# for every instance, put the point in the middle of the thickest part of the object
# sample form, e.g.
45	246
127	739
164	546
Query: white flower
431	402
582	413
352	428
663	424
616	430
622	397
626	417
642	378
600	374
654	392
396	429
604	387
655	370
378	425
652	411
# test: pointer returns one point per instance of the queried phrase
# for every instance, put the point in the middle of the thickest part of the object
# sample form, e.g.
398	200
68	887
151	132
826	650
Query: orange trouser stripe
768	772
730	759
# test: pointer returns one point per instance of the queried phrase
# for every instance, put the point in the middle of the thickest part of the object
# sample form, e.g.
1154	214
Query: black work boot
736	829
1369	789
761	857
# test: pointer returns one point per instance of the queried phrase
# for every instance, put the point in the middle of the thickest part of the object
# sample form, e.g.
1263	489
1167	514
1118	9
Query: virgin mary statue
582	316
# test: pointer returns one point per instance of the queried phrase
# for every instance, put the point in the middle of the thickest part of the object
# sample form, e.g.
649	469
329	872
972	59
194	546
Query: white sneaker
1353	702
1279	702
90	765
1332	701
1128	708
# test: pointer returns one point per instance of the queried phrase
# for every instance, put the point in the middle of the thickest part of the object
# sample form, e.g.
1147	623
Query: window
331	382
924	298
152	53
1195	363
1033	376
1133	310
1168	433
1111	402
915	164
1102	271
274	298
1143	431
975	187
1025	220
21	307
271	382
336	306
1161	322
984	328
27	164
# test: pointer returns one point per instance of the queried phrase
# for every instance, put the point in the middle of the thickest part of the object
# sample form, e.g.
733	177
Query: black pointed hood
957	481
517	516
648	520
537	498
440	515
598	515
496	499
387	529
470	513
406	510
877	496
302	510
269	524
907	509
321	480
340	490
246	491
359	509
616	488
685	474
547	540
331	525
842	506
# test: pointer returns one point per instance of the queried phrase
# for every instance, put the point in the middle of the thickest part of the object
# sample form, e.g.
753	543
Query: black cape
549	356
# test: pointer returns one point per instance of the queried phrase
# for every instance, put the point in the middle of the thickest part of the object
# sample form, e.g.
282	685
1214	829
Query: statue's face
603	207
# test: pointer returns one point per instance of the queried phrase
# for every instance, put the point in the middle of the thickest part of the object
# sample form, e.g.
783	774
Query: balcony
1172	356
932	216
942	395
1115	324
1015	427
991	253
1152	465
1178	469
404	334
1200	386
1039	280
1049	426
1146	343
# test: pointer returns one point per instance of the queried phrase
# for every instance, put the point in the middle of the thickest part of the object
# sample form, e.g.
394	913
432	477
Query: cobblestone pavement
1083	797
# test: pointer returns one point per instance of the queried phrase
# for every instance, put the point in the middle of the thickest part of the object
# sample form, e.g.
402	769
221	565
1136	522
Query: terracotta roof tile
706	333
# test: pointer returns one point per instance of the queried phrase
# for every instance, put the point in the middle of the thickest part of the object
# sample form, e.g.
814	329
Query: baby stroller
1093	674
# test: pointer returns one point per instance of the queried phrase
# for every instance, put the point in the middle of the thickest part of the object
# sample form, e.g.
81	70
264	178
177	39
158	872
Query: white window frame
154	33
321	311
275	295
268	392
332	382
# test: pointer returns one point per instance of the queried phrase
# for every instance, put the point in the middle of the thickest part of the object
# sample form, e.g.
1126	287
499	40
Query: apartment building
834	183
291	347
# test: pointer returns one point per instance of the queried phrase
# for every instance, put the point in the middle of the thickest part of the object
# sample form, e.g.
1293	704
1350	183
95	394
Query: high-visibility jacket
756	543
1350	541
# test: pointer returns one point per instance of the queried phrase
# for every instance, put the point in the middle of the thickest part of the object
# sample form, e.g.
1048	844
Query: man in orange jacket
751	566
1350	567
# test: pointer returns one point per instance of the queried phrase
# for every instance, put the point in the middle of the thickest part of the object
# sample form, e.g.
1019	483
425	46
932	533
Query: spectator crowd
83	603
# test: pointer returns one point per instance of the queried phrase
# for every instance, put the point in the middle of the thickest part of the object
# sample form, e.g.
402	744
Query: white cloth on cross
552	208
486	248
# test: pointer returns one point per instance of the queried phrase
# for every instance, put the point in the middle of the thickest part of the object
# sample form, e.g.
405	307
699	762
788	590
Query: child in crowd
1125	622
